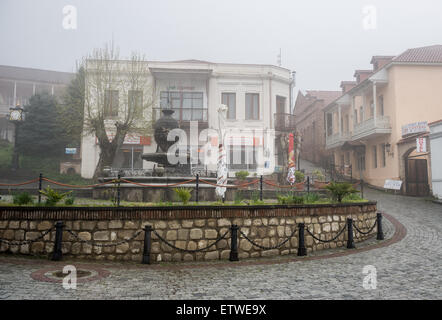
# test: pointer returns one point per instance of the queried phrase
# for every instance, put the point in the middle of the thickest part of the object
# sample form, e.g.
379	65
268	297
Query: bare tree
118	100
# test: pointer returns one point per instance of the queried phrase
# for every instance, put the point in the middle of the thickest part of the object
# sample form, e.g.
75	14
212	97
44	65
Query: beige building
374	124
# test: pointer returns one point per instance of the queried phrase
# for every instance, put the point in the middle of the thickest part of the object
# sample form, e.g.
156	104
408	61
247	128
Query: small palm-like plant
339	190
52	196
184	194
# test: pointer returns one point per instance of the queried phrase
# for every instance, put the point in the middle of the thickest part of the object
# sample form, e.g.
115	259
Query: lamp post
16	116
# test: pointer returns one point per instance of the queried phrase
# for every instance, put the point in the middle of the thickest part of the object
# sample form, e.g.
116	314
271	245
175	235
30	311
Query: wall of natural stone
186	227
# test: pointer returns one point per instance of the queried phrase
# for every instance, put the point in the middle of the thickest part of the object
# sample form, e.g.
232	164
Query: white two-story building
258	98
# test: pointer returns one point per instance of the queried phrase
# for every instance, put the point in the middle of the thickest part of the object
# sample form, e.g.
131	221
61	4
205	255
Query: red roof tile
430	54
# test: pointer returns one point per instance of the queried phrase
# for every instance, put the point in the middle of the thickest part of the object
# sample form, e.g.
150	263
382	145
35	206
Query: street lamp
16	116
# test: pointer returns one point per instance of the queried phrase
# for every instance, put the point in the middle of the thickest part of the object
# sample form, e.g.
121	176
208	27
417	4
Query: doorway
416	177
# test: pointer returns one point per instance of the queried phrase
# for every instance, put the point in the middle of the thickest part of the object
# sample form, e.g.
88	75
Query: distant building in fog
18	84
309	119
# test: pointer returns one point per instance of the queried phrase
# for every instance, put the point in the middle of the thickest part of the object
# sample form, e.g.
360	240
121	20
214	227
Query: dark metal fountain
162	127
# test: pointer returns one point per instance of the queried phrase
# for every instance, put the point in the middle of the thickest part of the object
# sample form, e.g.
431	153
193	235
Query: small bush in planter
241	175
299	176
318	175
69	201
184	194
52	196
22	199
339	190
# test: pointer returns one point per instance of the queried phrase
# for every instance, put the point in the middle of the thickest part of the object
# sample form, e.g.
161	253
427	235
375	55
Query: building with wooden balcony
257	97
374	124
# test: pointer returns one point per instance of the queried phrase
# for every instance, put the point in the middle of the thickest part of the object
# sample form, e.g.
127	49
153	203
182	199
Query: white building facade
436	157
257	97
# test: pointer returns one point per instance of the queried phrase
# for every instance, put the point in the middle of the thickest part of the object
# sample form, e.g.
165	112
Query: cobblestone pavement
408	269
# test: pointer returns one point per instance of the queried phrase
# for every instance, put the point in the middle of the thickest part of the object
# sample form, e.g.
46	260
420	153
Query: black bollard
308	184
362	188
380	234
197	187
57	253
302	251
40	178
147	244
118	189
234	243
260	188
350	243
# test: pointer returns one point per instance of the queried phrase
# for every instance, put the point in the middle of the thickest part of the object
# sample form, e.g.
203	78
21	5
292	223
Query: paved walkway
408	269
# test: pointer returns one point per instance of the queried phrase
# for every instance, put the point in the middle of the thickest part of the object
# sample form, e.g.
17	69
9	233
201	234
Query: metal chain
370	230
268	248
339	233
190	251
93	243
22	242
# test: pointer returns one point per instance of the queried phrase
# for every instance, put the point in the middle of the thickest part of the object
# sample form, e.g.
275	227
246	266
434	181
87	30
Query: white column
52	90
374	103
363	106
33	89
15	93
339	119
352	116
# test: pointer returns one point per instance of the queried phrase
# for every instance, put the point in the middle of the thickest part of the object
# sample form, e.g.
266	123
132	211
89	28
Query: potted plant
299	177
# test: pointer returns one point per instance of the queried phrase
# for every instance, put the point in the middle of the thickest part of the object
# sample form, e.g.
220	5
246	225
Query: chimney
347	85
361	75
379	61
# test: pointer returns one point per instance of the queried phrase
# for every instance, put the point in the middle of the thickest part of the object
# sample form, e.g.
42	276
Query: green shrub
184	194
255	196
318	175
238	197
69	201
352	197
241	175
339	190
52	196
311	198
22	199
299	176
290	199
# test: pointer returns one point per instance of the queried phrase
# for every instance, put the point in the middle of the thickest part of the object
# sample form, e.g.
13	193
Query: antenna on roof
278	62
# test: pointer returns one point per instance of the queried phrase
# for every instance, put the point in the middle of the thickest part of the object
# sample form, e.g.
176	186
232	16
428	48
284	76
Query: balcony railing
284	122
370	128
337	139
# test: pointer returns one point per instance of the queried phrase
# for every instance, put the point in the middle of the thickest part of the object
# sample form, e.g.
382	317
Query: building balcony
372	128
284	122
337	140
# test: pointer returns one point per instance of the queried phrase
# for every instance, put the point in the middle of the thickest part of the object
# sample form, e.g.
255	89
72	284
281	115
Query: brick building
309	119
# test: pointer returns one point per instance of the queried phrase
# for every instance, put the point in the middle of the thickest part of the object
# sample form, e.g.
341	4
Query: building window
361	162
355	116
371	109
242	157
111	103
384	156
187	105
347	123
375	156
252	106
280	104
381	105
135	99
229	99
361	114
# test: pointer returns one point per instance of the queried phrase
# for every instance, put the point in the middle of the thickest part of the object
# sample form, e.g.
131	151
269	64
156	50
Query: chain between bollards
350	242
57	254
302	251
234	243
147	244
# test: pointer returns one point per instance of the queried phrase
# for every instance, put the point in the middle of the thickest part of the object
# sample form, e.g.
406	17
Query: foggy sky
323	41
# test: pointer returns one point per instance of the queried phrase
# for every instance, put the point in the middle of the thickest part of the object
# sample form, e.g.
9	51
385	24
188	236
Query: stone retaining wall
185	227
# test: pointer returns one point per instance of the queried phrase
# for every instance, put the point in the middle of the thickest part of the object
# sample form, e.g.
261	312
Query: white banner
421	145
